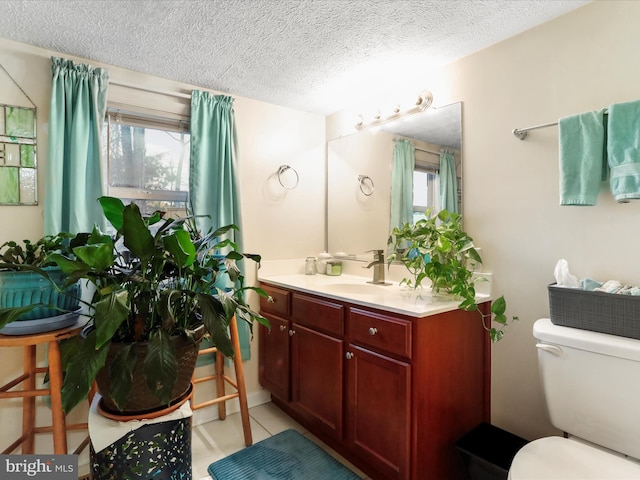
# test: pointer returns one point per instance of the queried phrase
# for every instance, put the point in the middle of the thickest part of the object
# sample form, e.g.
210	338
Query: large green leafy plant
153	279
438	249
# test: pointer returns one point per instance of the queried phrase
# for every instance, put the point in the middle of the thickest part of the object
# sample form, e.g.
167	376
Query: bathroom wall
277	223
582	61
579	62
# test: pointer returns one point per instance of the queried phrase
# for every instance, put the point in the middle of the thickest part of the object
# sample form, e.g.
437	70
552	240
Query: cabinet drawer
380	332
318	314
281	304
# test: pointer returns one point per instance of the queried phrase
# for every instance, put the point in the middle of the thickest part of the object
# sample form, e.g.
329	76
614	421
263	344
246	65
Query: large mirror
359	170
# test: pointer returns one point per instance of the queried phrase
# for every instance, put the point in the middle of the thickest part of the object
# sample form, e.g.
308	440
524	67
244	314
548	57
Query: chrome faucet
378	267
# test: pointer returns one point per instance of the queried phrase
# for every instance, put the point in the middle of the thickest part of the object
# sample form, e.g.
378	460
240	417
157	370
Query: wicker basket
602	312
141	398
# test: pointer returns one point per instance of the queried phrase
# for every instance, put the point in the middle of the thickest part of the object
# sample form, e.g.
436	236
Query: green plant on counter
437	248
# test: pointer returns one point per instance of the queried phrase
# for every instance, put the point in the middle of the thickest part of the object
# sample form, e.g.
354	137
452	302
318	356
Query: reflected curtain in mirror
402	183
74	174
448	183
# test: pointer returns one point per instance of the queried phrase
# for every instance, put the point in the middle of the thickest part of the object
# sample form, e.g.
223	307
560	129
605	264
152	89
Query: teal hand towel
582	164
623	147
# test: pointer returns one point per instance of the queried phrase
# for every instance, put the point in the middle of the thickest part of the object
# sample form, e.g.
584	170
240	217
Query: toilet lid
557	458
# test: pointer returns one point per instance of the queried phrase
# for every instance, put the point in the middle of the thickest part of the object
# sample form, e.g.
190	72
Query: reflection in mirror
357	222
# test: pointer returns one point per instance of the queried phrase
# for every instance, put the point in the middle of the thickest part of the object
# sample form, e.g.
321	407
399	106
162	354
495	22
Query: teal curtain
448	183
213	188
402	183
74	176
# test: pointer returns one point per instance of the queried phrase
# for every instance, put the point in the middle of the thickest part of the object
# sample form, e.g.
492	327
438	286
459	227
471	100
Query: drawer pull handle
283	328
373	331
349	355
292	333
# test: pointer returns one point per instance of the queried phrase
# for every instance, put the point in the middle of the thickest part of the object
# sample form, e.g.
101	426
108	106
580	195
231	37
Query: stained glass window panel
28	156
12	154
9	186
18	172
19	122
28	186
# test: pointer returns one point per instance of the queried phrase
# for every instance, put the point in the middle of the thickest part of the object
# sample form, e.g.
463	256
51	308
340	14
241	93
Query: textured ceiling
314	55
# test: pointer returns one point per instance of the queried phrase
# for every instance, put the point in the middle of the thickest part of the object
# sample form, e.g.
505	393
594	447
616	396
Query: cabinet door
378	412
316	379
274	357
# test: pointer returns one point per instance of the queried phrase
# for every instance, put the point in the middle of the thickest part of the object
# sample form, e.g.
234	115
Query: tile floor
214	440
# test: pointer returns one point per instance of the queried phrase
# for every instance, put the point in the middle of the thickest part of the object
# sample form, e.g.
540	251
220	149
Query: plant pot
23	288
141	400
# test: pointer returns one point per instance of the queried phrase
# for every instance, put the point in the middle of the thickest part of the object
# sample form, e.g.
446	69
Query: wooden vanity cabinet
389	392
317	363
378	383
274	353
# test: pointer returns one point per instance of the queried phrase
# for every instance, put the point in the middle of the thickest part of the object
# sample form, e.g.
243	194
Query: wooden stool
221	378
29	391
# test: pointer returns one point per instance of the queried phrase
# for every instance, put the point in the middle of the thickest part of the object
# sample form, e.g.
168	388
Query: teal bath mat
285	456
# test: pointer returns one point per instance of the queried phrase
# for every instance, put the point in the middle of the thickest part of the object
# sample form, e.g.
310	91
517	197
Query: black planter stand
158	449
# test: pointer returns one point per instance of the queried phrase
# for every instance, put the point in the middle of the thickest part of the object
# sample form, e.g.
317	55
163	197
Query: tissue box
602	312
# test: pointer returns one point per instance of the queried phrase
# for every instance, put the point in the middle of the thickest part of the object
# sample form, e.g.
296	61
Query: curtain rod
151	90
428	151
417	148
521	133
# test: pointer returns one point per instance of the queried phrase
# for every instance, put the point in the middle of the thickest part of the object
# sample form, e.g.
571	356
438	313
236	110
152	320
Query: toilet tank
591	383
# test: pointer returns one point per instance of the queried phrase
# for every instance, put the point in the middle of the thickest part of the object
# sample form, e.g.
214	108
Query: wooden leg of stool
242	392
29	403
220	387
57	415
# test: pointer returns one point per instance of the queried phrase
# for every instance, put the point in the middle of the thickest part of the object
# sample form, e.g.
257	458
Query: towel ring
366	185
281	170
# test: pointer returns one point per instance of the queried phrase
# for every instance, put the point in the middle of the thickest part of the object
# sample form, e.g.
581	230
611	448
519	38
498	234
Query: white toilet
591	383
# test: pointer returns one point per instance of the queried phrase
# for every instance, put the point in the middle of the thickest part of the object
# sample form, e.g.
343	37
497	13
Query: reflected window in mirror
425	190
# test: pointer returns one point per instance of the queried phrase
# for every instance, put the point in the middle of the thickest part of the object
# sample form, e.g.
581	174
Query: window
425	190
147	161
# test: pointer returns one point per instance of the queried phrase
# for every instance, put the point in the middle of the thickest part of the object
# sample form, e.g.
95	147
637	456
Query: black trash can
488	451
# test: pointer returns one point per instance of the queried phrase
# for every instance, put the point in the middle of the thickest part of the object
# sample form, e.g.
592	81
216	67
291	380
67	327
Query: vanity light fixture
424	101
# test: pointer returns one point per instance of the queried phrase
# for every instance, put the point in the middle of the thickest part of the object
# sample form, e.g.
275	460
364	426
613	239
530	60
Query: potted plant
437	248
31	286
157	282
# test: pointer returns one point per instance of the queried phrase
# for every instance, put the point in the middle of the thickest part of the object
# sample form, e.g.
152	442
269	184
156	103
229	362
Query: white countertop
355	289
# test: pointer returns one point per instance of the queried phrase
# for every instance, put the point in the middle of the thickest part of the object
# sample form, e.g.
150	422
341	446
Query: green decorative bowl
22	288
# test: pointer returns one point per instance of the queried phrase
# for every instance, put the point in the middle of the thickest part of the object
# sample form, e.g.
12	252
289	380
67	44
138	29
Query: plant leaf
8	315
109	314
113	209
81	371
98	257
137	236
180	247
161	365
121	375
216	322
499	306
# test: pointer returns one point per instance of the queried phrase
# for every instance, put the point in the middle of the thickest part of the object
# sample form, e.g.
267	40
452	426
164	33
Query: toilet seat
557	458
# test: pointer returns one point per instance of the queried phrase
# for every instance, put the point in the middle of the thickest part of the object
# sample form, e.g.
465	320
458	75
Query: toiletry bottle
310	266
323	258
